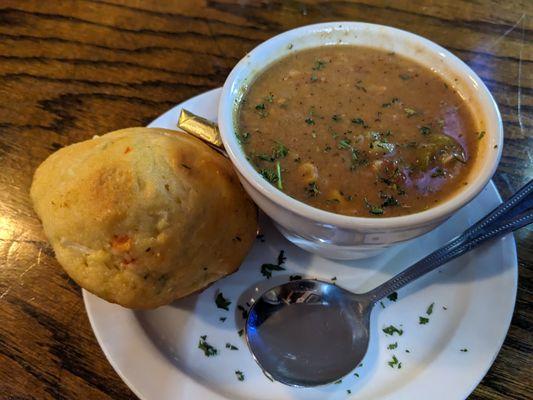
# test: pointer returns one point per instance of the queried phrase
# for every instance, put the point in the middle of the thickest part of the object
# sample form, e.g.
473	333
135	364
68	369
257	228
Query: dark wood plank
72	69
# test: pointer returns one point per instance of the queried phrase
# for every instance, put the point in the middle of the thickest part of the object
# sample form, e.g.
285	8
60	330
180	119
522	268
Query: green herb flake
267	269
425	130
337	382
242	138
480	135
240	375
392	346
394	363
319	65
231	347
278	172
389	201
309	121
334	278
279	151
240	332
261	109
372	209
269	175
345	144
222	319
464	350
429	311
407	351
405	77
208	350
295	277
356	374
312	189
381	304
348	391
423	320
410	112
393	296
221	301
391	330
359	121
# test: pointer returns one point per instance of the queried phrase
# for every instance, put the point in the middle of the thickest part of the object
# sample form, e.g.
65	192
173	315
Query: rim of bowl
227	125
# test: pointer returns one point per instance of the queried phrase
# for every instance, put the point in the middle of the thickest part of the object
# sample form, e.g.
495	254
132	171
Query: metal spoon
310	333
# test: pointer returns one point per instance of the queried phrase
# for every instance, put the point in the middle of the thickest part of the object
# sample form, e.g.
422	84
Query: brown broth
358	131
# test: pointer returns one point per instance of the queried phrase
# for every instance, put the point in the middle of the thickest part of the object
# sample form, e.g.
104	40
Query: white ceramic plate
156	352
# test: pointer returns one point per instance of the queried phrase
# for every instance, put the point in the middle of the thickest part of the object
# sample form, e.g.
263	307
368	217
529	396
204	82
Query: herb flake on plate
391	330
208	349
240	375
231	347
423	320
267	269
221	301
393	296
392	346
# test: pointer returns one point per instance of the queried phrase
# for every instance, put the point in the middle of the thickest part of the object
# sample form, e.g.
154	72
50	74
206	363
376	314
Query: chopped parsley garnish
222	319
269	175
405	77
314	78
393	296
261	109
243	137
392	346
410	112
231	347
480	135
240	375
424	130
312	189
278	172
407	351
319	64
359	121
348	391
244	311
423	320
389	201
240	332
389	104
429	311
464	350
309	121
206	347
270	98
381	304
295	277
345	144
391	330
266	269
279	151
395	363
372	209
359	85
336	117
334	278
222	302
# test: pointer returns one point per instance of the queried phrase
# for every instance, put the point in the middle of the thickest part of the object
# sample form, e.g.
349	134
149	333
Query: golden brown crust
143	216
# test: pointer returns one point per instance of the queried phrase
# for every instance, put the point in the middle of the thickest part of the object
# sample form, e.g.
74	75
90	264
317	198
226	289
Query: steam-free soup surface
358	131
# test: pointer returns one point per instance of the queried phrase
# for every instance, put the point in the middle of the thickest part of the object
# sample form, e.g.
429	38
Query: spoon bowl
289	324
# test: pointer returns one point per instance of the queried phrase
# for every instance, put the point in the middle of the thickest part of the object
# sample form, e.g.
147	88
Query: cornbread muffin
143	216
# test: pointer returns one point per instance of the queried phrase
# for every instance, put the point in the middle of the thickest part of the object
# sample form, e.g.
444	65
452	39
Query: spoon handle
509	216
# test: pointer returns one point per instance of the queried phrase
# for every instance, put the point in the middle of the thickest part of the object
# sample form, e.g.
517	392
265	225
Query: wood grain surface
72	69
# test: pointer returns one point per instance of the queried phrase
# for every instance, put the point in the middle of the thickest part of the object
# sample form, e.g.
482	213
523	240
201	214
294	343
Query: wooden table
72	69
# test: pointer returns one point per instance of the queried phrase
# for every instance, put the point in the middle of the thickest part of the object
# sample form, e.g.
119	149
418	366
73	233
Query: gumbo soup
358	131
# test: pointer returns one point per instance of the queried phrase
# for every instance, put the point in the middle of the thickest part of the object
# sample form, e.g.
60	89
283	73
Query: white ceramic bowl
339	236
